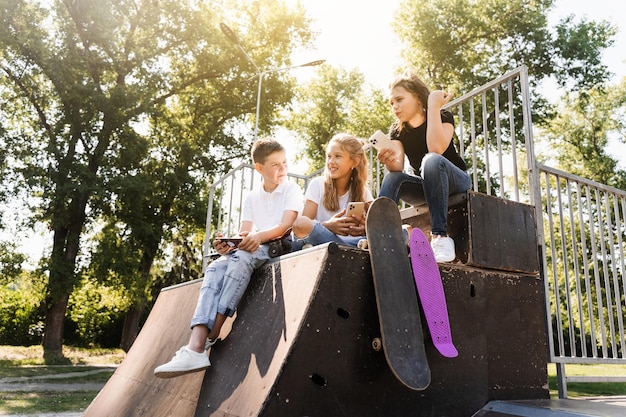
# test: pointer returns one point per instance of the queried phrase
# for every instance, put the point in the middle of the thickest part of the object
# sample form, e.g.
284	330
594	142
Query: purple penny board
396	298
430	290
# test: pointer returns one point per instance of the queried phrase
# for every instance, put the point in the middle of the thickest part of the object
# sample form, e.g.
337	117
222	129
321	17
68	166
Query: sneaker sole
173	374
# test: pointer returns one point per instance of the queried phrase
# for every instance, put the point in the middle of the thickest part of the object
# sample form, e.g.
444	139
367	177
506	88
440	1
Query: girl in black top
423	132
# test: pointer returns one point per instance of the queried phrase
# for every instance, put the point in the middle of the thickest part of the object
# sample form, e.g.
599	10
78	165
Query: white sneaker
443	247
184	361
406	232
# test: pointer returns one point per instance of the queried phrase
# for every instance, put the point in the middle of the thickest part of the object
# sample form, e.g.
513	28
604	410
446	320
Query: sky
352	35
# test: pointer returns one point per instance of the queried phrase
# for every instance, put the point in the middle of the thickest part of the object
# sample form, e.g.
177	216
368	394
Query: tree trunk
131	327
62	278
55	318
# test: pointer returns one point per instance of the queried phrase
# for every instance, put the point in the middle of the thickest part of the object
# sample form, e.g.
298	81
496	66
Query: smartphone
355	208
233	242
380	141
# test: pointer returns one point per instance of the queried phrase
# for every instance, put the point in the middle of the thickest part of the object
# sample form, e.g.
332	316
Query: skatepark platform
301	345
585	407
305	339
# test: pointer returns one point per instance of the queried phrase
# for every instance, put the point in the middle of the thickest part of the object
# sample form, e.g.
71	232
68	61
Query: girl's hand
358	227
251	241
388	156
340	225
439	98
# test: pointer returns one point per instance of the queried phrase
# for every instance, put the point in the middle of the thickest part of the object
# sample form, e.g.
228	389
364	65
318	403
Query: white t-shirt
266	210
315	193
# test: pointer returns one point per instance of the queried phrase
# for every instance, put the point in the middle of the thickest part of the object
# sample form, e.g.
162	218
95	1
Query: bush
97	311
21	318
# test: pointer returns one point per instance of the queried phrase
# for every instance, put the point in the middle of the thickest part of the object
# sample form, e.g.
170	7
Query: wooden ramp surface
134	391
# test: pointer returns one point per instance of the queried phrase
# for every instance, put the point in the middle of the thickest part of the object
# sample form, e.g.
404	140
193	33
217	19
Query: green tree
462	44
369	112
582	130
323	109
80	80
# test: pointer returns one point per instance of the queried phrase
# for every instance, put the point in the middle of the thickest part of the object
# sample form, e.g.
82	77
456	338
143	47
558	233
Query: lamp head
313	63
228	32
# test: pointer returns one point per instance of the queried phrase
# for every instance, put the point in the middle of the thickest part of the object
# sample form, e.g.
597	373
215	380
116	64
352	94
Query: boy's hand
220	246
250	242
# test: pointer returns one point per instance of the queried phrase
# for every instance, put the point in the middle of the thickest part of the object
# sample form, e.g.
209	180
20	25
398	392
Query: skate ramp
245	363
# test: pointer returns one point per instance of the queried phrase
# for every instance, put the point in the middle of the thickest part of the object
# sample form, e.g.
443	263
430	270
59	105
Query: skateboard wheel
333	247
377	344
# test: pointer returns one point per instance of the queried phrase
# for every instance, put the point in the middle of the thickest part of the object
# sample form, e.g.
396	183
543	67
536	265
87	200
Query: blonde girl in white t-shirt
345	180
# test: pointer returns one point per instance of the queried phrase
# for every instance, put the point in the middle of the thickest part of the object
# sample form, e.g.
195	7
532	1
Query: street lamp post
228	32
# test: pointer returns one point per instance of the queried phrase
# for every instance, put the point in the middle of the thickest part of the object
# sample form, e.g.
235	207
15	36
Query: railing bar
622	250
496	98
583	239
207	235
575	255
616	286
607	254
486	139
570	320
473	139
597	270
557	304
513	139
533	173
461	131
546	281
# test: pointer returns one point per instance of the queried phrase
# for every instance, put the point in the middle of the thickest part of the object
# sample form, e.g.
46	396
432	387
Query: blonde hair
358	177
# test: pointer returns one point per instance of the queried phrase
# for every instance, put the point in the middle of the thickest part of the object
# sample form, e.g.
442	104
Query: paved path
47	383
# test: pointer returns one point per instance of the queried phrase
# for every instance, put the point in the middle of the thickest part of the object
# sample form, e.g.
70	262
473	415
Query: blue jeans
321	234
224	283
439	178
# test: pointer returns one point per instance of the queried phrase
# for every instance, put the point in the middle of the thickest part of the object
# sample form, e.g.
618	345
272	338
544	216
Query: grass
19	362
23	403
589	389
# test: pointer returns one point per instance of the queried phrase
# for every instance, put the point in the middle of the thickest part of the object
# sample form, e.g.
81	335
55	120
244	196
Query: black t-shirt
414	141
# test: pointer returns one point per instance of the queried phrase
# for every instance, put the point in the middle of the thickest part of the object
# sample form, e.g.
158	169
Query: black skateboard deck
396	297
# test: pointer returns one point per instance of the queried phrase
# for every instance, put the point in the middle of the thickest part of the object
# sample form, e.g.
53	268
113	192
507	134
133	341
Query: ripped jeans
439	178
224	283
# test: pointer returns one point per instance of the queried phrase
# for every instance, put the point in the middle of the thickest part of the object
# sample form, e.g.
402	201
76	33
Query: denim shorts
224	283
321	234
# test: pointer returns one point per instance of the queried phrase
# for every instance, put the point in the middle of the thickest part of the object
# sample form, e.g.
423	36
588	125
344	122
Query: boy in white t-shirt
268	212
